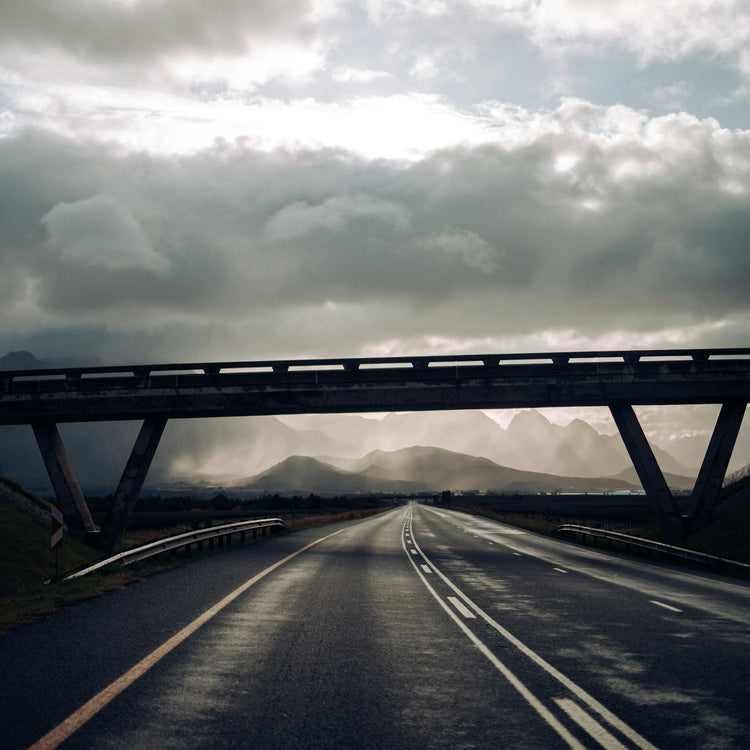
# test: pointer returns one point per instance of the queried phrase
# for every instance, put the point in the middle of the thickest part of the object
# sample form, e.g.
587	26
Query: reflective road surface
418	628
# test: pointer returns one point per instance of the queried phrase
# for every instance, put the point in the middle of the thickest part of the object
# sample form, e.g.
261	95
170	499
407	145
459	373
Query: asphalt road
419	628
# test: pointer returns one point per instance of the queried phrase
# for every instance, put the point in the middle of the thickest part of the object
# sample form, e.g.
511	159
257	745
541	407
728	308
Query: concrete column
63	478
648	470
132	480
714	467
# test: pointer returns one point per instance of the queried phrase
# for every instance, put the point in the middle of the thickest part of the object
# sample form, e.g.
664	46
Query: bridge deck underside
157	393
393	389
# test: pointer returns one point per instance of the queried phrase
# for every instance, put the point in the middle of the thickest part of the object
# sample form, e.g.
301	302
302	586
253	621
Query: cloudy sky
184	180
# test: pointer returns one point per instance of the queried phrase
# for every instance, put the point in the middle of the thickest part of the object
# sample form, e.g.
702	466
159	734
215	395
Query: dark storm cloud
310	251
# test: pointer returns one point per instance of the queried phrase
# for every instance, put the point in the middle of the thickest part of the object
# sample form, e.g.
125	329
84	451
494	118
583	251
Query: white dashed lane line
665	606
461	607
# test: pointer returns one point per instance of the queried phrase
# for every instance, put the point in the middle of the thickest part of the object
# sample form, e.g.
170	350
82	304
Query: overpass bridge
156	393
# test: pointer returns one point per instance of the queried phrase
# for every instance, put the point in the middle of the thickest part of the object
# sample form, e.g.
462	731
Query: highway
418	628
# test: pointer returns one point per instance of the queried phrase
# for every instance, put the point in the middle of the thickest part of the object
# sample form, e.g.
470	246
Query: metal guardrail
647	544
181	540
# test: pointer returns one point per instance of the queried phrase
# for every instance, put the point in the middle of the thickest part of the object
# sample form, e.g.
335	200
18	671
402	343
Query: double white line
462	604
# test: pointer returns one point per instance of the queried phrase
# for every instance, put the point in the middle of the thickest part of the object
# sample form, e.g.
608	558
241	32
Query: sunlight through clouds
525	174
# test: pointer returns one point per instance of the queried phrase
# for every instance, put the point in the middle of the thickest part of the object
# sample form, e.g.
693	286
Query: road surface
419	628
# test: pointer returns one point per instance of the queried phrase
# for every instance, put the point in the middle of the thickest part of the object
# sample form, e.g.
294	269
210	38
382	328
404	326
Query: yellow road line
78	718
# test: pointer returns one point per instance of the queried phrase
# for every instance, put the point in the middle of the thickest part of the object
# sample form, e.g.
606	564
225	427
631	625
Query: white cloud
273	61
396	127
346	74
666	30
673	96
468	246
100	231
299	219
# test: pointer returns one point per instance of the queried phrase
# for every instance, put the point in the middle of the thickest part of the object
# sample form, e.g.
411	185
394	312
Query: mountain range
413	470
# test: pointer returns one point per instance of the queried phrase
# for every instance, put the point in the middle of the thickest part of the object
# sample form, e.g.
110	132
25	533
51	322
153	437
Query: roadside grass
547	523
27	562
727	536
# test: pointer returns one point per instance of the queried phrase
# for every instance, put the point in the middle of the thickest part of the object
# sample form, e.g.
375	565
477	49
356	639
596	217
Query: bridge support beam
714	467
132	480
64	481
648	470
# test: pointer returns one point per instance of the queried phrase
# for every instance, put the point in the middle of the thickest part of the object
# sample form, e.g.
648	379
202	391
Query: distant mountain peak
21	360
579	426
528	418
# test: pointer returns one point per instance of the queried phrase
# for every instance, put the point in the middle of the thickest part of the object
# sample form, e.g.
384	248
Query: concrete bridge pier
714	467
647	467
68	491
64	481
674	523
131	482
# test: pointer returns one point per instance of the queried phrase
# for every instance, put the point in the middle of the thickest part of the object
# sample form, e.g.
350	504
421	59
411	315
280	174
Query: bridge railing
222	533
73	376
583	533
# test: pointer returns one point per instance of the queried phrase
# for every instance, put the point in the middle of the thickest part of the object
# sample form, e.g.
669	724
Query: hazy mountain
530	442
302	474
416	469
19	361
